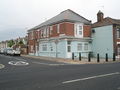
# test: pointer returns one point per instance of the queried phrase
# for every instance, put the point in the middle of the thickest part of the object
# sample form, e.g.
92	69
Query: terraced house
60	36
106	36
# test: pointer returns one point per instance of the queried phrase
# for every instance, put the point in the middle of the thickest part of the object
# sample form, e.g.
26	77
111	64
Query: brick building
60	36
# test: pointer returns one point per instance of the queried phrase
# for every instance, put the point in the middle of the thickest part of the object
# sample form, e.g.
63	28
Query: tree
21	43
11	43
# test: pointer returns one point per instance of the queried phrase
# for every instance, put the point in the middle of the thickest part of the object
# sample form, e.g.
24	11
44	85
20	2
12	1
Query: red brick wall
86	31
69	29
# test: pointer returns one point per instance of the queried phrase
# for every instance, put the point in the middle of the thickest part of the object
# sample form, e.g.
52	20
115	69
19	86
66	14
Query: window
47	32
44	32
44	47
78	29
79	47
51	28
86	46
69	46
118	32
51	48
31	49
41	33
32	35
58	28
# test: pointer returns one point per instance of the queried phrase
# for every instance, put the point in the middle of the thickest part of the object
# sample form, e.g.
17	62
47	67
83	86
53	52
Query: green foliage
21	43
11	43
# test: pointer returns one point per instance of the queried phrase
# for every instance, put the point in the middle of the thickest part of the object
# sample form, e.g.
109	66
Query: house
4	44
60	36
21	44
106	36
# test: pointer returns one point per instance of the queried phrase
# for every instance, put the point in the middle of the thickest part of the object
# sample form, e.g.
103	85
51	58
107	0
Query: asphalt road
34	74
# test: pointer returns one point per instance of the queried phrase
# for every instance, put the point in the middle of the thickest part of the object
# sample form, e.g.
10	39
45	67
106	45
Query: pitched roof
106	21
67	15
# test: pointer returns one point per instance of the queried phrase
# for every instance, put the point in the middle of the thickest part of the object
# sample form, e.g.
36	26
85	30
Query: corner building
60	36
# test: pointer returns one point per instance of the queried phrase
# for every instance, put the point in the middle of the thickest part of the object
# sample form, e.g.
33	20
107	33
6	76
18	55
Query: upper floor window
42	33
118	32
51	28
47	32
58	28
79	30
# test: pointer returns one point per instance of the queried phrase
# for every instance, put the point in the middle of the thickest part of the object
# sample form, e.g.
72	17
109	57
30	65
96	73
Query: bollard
114	57
72	56
89	57
79	56
98	59
106	57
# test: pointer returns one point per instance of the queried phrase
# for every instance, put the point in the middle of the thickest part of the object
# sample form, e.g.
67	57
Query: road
49	75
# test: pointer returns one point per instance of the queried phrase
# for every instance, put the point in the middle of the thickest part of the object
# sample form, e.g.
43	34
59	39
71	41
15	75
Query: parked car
5	51
13	52
1	51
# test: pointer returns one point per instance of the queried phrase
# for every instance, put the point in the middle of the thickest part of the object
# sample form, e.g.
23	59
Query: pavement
26	73
70	61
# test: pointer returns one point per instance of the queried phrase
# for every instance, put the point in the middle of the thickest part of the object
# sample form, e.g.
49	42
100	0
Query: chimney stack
100	16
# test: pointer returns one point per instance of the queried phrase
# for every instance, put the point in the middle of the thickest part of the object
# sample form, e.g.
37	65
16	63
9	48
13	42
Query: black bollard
114	57
79	56
72	56
106	57
98	58
89	57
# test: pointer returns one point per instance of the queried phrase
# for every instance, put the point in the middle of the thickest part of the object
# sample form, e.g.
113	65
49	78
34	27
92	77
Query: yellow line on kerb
2	66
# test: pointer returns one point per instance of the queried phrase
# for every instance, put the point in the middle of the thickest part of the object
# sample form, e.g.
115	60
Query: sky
17	16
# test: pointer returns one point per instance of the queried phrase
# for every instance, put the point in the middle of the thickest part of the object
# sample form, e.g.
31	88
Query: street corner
2	66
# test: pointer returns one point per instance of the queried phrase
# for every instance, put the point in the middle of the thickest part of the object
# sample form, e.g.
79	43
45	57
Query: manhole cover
18	63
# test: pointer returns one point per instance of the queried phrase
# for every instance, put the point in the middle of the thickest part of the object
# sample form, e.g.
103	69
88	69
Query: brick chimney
100	16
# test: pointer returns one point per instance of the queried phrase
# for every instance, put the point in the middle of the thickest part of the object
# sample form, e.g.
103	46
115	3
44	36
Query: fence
98	59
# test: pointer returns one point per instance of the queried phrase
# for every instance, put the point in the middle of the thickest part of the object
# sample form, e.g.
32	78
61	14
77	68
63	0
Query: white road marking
118	88
18	63
83	79
2	66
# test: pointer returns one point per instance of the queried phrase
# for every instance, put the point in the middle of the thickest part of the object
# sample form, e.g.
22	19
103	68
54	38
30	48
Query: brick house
60	36
106	36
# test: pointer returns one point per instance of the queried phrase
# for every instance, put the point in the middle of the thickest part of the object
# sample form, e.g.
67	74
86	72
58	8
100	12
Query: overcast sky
17	16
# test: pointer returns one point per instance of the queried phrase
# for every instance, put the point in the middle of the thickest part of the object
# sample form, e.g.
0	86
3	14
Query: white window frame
78	27
32	35
68	46
42	33
51	28
58	28
118	32
47	32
